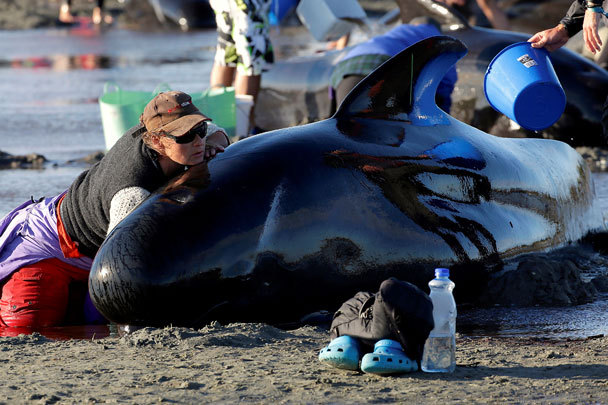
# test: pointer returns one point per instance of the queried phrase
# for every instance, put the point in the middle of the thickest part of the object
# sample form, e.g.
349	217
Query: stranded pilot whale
297	220
296	89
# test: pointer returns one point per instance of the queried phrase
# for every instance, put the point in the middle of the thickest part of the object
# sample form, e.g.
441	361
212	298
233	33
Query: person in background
363	58
65	13
243	49
579	17
582	15
339	43
477	10
47	246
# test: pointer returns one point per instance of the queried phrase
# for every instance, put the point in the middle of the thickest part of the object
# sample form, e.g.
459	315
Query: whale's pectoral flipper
403	88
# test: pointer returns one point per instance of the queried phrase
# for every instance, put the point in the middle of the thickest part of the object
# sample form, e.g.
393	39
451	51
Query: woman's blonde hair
147	137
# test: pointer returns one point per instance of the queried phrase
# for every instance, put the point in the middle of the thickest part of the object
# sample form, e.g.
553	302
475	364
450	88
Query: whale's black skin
298	220
187	14
304	82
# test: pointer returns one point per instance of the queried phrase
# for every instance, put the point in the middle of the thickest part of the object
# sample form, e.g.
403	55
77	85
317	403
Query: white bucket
244	103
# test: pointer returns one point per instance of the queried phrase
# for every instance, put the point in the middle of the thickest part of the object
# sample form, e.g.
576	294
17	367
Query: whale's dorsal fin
403	88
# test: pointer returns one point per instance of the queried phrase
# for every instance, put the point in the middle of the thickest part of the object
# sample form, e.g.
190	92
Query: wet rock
601	283
30	14
599	242
30	161
89	159
539	280
25	14
37	161
596	158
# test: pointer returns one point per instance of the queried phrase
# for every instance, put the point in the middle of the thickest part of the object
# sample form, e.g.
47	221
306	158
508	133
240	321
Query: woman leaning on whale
47	246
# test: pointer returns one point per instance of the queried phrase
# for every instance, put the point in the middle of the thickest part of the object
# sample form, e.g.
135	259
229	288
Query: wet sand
257	363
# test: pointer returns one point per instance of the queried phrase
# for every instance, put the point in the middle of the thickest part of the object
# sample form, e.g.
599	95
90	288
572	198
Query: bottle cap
442	272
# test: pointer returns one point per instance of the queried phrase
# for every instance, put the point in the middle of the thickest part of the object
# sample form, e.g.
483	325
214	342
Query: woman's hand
216	143
591	35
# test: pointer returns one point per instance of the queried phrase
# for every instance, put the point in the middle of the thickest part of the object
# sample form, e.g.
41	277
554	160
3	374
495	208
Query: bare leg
494	14
340	43
222	76
98	14
96	17
248	85
65	14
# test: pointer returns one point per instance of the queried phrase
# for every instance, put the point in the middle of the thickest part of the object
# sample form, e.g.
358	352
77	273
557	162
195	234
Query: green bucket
120	109
219	105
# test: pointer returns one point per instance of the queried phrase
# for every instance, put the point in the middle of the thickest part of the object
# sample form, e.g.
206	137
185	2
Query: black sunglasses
189	136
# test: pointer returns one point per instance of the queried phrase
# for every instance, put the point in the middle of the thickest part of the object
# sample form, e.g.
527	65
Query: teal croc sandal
387	358
342	352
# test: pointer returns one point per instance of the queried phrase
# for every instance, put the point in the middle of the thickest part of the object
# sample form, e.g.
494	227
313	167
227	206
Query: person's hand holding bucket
521	83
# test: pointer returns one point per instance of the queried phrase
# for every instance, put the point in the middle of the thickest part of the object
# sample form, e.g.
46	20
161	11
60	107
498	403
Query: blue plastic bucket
279	9
521	83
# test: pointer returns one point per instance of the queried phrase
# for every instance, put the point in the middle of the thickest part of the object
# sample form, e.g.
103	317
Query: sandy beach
257	363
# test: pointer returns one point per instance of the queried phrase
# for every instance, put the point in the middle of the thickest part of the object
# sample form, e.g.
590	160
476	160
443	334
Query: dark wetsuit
573	20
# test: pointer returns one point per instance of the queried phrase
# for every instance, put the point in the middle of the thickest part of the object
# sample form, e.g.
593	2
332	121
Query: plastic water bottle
439	354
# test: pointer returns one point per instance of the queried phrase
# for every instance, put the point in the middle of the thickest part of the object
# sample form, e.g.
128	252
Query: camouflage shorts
243	38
